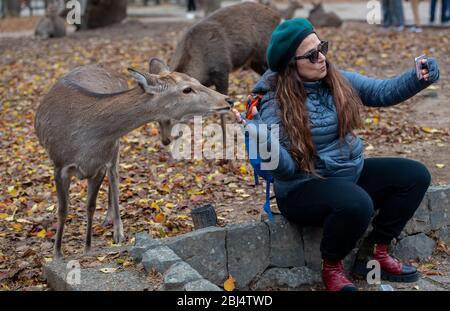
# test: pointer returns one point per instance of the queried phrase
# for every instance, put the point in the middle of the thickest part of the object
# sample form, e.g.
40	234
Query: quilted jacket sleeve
389	92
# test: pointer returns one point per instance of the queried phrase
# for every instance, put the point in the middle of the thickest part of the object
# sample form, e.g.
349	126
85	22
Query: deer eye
187	90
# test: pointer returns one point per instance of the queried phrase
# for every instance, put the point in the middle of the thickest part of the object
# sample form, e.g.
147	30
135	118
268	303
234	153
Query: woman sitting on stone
322	178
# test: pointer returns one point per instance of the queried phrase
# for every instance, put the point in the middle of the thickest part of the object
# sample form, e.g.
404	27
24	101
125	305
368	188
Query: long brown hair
291	95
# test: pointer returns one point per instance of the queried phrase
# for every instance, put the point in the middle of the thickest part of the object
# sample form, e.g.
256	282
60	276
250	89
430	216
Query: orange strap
253	101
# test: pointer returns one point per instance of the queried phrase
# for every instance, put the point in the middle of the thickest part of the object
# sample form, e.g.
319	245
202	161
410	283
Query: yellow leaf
229	285
165	188
439	165
155	206
41	234
108	270
126	264
120	261
429	130
160	218
182	216
12	191
170	205
3	216
243	169
17	227
359	61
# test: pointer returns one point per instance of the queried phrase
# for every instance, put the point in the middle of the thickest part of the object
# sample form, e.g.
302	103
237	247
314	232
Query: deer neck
114	118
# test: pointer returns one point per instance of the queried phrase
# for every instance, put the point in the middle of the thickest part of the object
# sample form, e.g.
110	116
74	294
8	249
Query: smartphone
420	66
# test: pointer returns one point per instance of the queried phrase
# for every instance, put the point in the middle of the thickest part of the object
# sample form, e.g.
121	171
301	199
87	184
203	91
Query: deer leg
109	214
94	184
62	182
113	176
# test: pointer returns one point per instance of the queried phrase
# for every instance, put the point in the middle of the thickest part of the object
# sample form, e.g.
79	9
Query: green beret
285	40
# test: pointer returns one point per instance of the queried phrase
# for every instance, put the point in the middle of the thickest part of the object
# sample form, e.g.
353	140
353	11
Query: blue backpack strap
267	208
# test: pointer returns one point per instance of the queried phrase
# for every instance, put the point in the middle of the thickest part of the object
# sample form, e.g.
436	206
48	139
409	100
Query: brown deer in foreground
80	124
230	38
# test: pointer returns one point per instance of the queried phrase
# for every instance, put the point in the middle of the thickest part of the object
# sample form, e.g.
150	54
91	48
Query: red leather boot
391	269
334	277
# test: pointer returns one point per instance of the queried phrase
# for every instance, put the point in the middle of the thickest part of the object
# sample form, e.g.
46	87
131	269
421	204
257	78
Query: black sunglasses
313	56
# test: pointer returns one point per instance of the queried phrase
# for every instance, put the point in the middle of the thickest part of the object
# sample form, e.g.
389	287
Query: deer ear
157	66
139	77
149	83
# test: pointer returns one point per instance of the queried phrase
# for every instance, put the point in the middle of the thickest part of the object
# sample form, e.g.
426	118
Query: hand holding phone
422	67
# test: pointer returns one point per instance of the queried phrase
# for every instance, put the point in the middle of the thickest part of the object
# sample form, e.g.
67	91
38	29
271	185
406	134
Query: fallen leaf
108	270
41	234
229	284
160	218
439	165
155	206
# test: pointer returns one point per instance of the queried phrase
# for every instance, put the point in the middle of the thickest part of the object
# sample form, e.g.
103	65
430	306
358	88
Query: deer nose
166	141
230	101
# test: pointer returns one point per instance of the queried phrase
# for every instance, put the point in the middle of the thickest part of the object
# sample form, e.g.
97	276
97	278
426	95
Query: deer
289	12
52	25
230	38
319	18
80	127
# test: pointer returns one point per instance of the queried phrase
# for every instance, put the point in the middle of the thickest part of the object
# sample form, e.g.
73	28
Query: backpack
254	100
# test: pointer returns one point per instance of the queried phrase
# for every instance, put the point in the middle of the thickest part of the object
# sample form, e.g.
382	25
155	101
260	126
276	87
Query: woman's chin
323	74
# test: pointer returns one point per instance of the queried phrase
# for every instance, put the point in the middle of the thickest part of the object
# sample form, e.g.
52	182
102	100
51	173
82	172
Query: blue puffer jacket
334	160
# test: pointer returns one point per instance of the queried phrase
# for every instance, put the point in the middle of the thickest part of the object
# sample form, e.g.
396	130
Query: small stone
179	275
160	259
143	243
414	246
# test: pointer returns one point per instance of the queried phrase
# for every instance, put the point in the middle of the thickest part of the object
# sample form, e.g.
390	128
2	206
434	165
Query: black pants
393	186
191	5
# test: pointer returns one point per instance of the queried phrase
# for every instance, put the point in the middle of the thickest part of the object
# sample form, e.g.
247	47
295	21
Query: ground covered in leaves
157	192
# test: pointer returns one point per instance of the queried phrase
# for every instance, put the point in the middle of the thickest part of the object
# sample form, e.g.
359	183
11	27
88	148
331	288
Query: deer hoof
107	222
118	234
